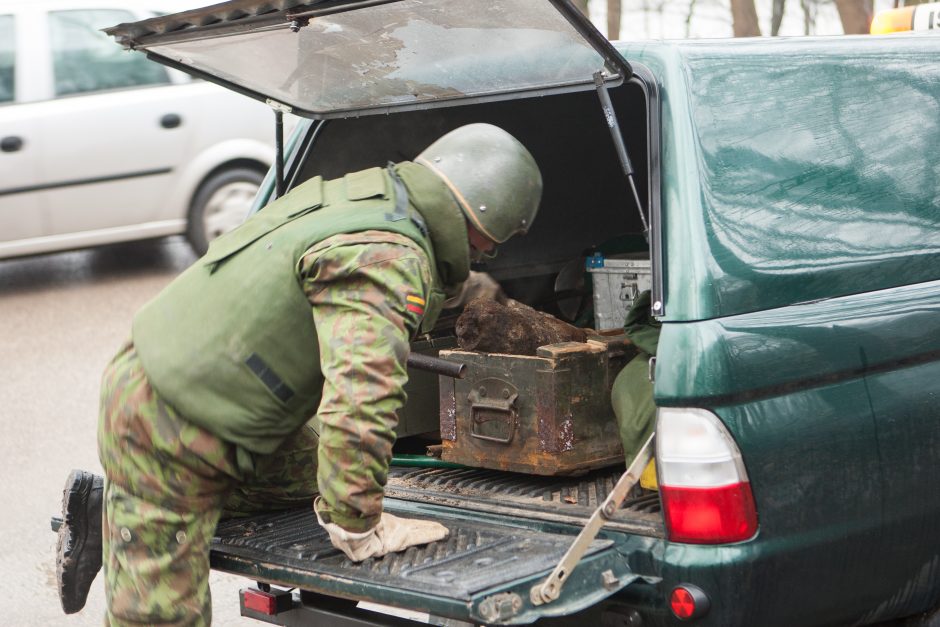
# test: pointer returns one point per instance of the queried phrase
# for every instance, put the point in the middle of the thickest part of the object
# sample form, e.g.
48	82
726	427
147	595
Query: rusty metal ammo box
545	415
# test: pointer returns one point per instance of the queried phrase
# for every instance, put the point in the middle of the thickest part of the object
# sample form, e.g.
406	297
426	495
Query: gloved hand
390	535
477	285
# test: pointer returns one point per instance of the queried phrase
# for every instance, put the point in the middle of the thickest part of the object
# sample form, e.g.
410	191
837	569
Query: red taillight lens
681	603
709	515
260	601
688	601
703	484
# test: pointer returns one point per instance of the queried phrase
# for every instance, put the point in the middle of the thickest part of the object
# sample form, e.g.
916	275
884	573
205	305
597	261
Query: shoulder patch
415	304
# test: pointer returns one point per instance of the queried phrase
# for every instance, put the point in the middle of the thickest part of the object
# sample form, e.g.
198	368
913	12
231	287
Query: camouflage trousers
632	399
168	484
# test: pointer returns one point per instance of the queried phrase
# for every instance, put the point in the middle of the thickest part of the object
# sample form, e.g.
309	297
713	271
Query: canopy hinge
278	106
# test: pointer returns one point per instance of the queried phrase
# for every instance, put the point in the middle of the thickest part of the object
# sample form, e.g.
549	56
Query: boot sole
75	505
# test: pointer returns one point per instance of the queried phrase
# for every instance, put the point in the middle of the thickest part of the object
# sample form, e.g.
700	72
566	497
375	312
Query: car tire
221	204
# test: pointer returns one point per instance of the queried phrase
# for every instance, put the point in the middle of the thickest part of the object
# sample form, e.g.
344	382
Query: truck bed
556	499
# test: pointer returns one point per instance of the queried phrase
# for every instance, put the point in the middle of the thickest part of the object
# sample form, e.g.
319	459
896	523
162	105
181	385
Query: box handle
493	401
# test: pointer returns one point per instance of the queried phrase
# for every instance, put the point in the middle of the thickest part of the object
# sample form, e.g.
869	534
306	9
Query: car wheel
221	204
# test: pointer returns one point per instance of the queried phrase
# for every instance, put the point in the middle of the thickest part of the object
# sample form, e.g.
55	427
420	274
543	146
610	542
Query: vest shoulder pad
364	184
300	201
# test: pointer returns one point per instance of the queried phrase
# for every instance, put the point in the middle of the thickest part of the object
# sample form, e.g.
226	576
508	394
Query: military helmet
493	177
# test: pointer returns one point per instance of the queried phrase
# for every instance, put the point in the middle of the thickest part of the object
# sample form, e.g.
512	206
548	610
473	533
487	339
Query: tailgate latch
550	589
500	607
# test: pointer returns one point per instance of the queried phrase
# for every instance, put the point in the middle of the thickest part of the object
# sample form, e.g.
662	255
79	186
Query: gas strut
279	110
619	146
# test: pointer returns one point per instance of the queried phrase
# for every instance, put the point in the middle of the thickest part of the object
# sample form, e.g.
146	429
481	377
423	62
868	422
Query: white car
101	145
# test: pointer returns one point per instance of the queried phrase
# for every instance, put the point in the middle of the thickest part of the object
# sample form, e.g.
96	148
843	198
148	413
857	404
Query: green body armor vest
231	343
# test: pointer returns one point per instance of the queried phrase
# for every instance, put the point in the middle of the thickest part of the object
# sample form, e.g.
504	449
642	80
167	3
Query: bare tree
613	16
809	16
660	8
855	15
776	17
613	19
744	18
688	19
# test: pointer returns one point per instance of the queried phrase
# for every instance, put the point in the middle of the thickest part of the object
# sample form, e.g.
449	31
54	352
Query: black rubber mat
476	556
559	499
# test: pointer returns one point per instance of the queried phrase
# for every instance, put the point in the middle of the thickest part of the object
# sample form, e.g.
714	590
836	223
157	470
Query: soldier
305	309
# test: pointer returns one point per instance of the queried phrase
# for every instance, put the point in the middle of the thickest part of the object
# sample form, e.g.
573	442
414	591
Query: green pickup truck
787	194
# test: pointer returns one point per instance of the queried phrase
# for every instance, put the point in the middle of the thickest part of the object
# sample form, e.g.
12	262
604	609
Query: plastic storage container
616	284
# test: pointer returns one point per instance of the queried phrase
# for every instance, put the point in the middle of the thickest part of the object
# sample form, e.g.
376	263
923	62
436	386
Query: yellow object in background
893	21
913	17
648	477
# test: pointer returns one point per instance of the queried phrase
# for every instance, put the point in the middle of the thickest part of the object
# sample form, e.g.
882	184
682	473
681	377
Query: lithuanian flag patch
415	304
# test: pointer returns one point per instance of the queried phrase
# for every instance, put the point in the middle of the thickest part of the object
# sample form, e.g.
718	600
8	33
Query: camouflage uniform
367	302
169	480
632	393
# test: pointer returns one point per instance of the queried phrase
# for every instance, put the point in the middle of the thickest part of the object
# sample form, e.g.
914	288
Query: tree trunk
581	4
511	329
776	17
744	18
808	19
688	19
855	15
613	19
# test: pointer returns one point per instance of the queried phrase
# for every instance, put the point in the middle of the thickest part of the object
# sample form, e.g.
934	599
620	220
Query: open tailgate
482	572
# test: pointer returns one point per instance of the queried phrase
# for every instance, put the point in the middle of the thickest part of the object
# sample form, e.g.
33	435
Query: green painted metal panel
778	351
834	406
842	476
817	168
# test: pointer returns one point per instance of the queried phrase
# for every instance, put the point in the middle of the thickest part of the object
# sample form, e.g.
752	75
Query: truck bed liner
556	499
477	555
503	537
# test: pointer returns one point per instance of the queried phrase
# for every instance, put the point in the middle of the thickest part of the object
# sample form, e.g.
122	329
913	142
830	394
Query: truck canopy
332	59
777	188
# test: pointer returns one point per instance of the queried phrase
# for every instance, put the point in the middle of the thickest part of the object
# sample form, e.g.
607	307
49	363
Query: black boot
78	550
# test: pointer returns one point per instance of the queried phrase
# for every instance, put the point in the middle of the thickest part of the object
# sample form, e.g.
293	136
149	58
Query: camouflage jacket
367	295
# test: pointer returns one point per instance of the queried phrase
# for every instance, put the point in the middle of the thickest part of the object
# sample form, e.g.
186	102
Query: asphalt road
62	317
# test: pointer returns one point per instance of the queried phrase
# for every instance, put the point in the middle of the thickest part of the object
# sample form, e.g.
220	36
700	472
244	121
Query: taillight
688	602
269	602
703	485
259	601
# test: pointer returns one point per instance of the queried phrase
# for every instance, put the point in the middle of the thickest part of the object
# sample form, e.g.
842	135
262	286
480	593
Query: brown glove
390	535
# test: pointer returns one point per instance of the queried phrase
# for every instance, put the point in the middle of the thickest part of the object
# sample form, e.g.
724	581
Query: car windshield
407	52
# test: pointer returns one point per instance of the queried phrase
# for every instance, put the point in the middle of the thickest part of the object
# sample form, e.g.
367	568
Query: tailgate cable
550	589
